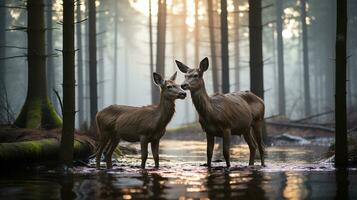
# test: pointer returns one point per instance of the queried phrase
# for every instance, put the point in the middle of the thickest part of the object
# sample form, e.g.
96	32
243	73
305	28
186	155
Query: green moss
38	113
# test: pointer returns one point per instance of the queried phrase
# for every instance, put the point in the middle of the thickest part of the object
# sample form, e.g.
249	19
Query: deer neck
201	101
166	110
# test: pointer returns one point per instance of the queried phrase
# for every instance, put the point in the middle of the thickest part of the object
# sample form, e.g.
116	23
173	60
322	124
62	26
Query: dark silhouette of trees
80	81
255	48
151	43
224	47
161	38
212	45
51	75
37	112
305	50
115	70
93	92
340	95
2	54
280	50
236	46
67	139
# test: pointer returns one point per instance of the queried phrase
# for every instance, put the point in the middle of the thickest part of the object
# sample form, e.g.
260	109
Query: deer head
193	77
169	89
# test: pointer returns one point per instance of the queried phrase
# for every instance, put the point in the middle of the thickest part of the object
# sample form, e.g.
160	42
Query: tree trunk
236	46
340	95
280	45
2	62
305	49
255	48
256	51
115	70
37	112
212	45
51	74
100	50
67	139
224	47
197	34
161	38
80	82
92	60
151	48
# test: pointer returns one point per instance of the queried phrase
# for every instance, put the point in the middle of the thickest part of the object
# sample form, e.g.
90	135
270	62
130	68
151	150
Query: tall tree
161	38
151	49
340	95
197	35
93	93
80	82
100	50
280	49
305	49
255	48
224	47
67	139
115	70
2	49
212	45
236	45
51	78
37	112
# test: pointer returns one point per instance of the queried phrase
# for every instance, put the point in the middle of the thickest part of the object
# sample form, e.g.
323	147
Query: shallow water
292	172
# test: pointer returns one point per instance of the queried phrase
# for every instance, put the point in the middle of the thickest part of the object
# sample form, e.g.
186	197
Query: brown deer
133	124
223	115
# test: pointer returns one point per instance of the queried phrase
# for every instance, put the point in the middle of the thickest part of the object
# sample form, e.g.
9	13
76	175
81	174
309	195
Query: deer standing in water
133	124
223	115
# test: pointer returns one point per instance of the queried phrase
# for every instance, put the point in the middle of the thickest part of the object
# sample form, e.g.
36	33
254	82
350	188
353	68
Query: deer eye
169	86
195	76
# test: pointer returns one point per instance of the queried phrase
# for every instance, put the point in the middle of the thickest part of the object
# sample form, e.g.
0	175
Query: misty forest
178	99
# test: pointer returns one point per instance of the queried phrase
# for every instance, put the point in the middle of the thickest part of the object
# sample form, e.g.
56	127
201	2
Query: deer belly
129	137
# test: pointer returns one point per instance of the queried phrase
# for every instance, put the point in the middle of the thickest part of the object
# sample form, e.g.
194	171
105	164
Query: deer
223	115
145	124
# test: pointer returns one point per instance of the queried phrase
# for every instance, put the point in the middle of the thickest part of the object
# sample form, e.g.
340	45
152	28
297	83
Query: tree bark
67	139
115	70
224	47
236	46
92	60
51	74
80	82
2	55
255	48
340	95
212	45
280	48
37	112
305	49
161	38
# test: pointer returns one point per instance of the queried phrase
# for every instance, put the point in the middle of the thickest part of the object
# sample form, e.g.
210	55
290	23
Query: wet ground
294	171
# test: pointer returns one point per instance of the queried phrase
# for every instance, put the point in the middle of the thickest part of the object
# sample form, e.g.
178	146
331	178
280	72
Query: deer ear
173	77
157	79
182	67
204	64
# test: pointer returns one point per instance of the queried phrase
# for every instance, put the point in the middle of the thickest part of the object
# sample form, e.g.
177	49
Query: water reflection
295	178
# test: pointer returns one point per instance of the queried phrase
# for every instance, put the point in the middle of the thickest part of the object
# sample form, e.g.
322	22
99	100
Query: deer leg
102	144
226	146
248	138
144	150
210	146
155	152
257	133
108	156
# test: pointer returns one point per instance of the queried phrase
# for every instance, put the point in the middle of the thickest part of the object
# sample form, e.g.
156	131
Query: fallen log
300	125
44	150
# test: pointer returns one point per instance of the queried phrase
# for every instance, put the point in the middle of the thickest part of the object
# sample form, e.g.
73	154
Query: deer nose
182	95
184	86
